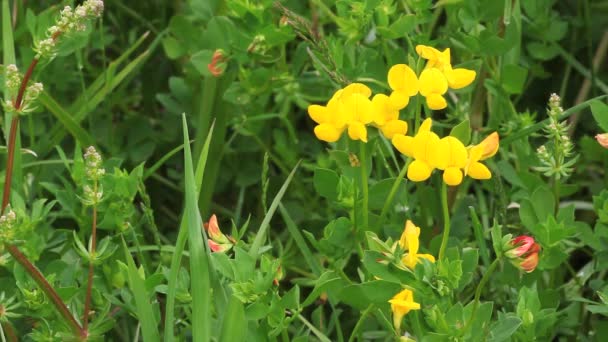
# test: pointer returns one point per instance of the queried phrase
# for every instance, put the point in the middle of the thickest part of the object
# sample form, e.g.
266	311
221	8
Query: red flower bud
217	65
524	253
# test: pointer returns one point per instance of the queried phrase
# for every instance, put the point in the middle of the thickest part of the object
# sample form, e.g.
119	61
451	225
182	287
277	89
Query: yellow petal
427	52
359	108
459	78
356	88
439	154
383	110
458	153
490	145
393	127
479	171
425	146
409	228
357	131
410	260
432	81
318	114
327	132
427	256
436	102
401	77
404	144
426	125
452	176
399	99
419	171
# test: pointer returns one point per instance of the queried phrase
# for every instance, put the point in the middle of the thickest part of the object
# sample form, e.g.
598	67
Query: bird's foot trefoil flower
409	241
401	304
218	242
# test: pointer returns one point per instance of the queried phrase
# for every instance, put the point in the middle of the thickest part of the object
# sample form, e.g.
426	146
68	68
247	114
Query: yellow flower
484	150
386	117
456	78
451	157
401	304
410	241
348	108
433	85
404	83
422	148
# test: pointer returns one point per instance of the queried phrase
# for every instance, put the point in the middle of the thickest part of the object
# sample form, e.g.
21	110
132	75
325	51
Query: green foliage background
124	89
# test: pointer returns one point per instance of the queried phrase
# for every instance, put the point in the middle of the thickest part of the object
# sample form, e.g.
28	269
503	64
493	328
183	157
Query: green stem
393	192
446	220
364	185
478	291
353	334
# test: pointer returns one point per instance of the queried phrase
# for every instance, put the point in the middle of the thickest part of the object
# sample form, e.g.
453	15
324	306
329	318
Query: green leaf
401	27
504	328
145	310
462	132
513	78
326	183
600	113
362	295
234	323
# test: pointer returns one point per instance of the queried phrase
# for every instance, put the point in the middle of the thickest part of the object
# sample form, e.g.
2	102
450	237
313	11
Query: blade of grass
200	284
234	323
145	310
261	235
300	242
66	119
149	171
8	57
180	246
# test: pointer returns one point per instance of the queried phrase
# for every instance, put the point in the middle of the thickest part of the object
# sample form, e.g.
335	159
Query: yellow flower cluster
447	154
434	80
351	109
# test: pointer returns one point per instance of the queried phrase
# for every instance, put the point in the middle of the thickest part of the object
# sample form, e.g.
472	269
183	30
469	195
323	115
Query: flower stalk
446	220
364	186
478	290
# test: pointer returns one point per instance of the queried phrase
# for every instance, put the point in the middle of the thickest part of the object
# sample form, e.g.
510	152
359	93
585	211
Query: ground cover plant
322	170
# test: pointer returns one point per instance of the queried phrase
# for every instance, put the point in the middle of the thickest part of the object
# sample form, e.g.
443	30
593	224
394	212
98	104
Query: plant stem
364	185
393	192
47	289
87	301
7	332
36	275
353	334
8	177
480	286
446	220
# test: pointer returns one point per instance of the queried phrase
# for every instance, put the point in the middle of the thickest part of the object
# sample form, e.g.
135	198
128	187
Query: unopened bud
218	63
602	139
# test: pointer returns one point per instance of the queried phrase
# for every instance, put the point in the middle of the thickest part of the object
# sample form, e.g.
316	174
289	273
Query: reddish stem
14	250
9	332
48	289
87	302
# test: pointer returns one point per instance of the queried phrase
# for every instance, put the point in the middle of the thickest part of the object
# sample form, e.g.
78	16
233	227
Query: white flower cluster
93	167
69	21
7	227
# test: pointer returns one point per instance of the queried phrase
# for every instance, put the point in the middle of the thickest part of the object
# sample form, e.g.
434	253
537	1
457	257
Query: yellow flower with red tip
401	304
349	108
410	241
422	148
484	150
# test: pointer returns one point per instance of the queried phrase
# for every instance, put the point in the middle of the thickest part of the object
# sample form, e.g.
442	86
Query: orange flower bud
490	145
217	65
602	139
